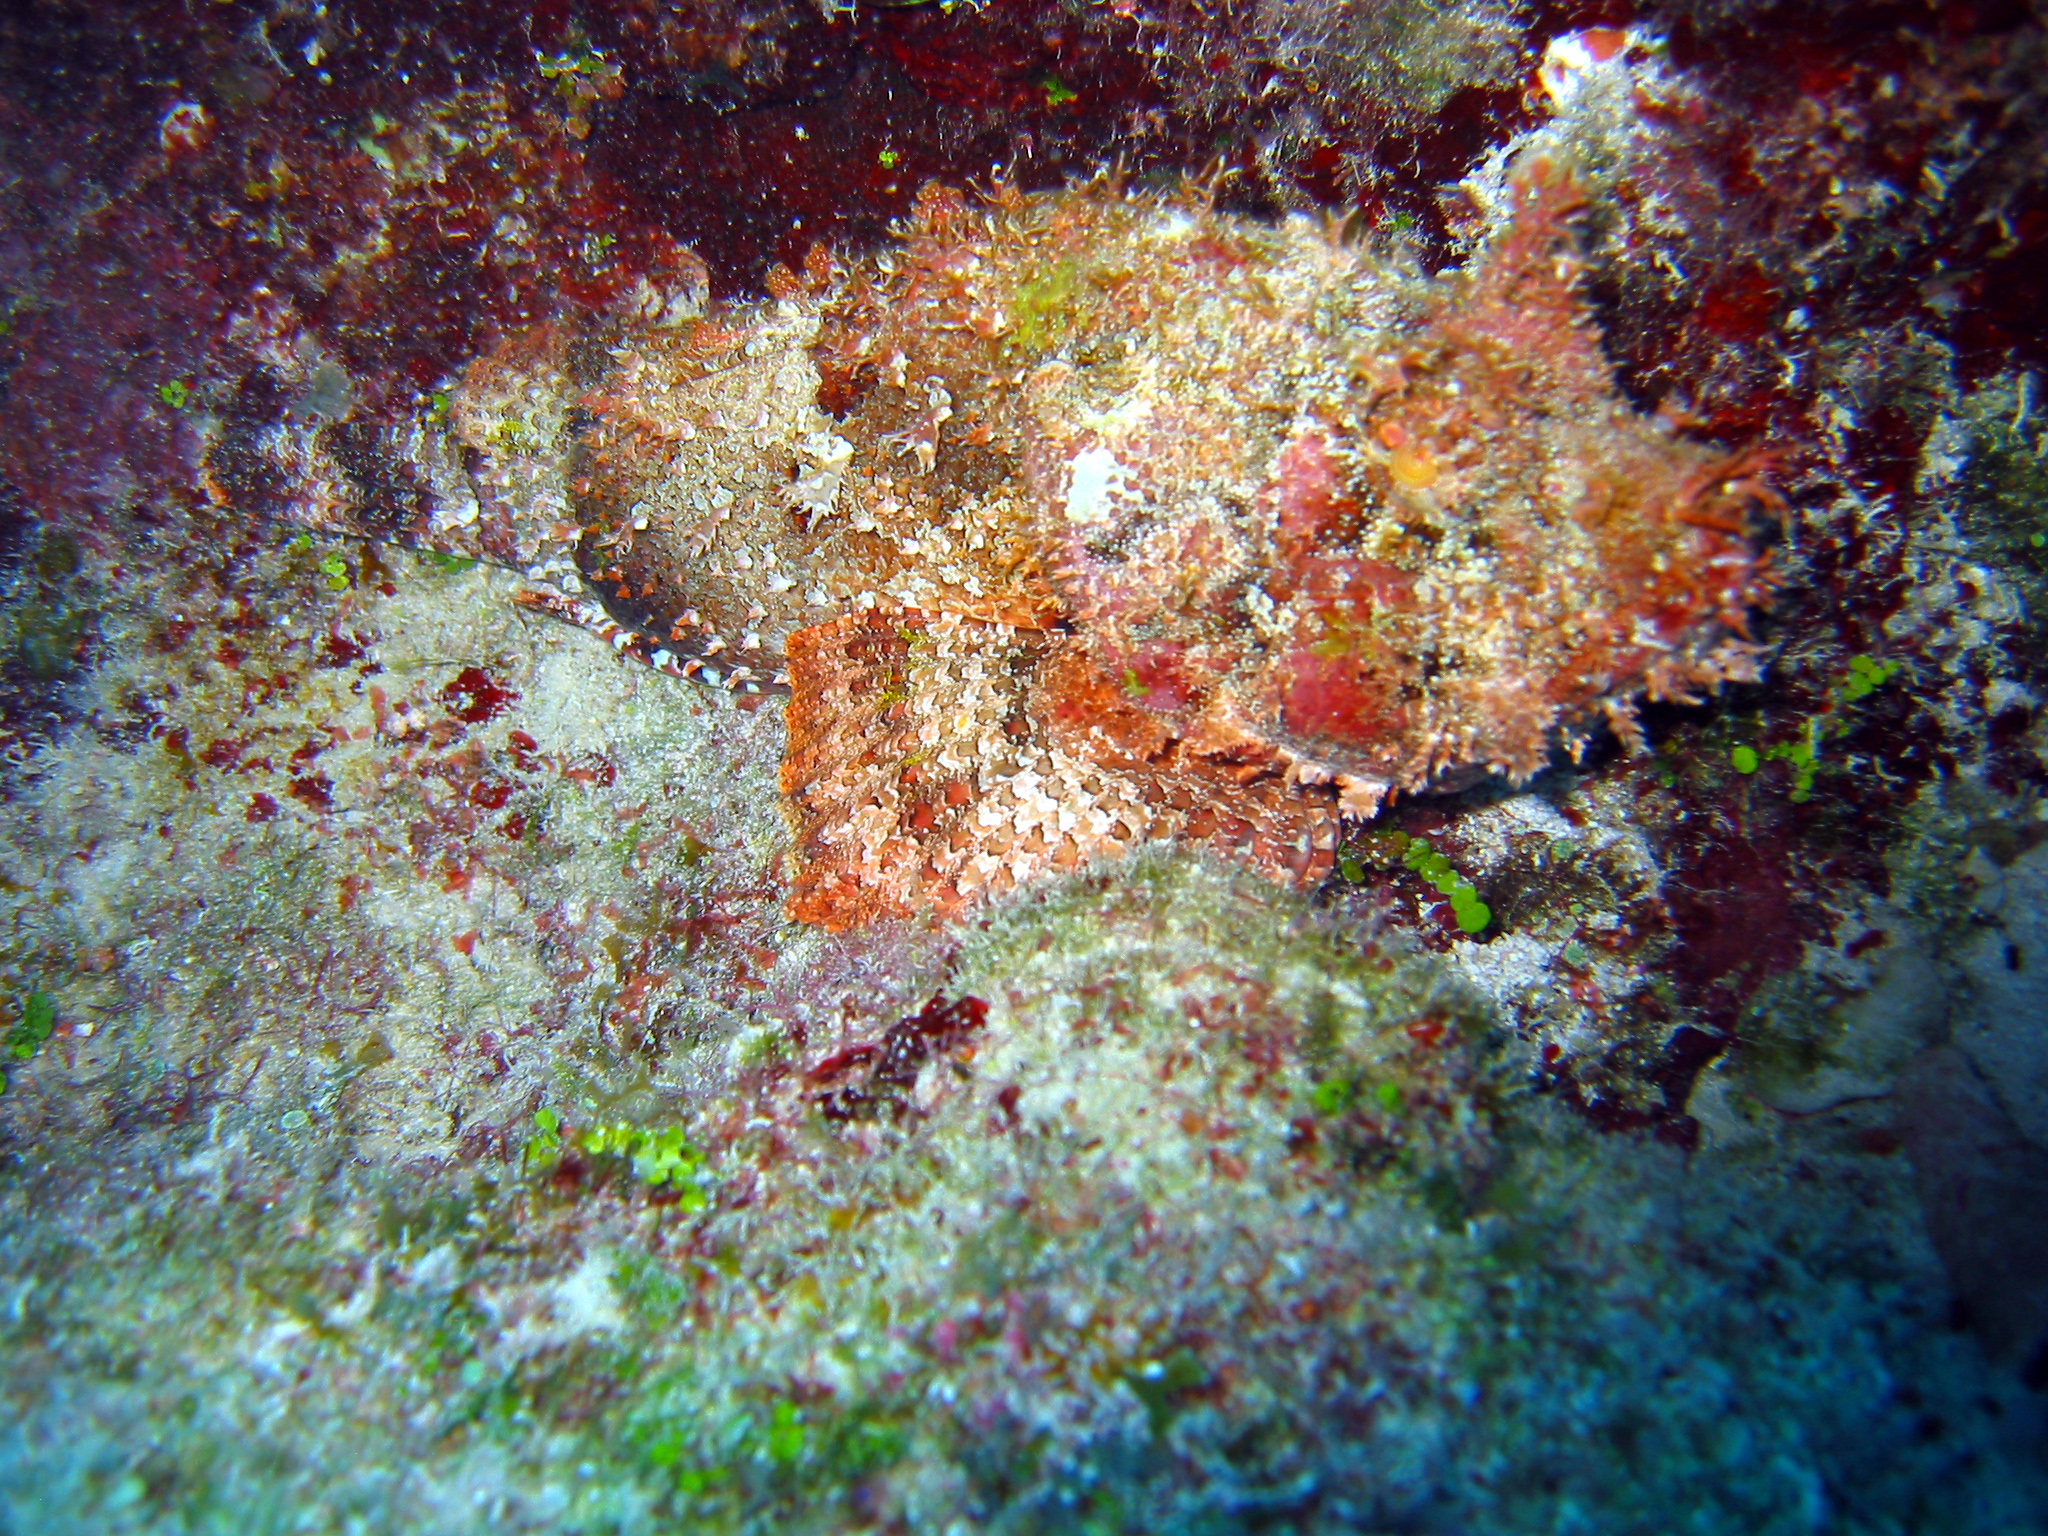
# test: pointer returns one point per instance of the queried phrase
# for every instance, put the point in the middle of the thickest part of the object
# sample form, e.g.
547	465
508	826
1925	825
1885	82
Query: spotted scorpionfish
1084	518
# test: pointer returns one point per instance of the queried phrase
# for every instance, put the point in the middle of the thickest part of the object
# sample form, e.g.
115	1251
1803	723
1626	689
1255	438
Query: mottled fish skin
1299	502
936	760
724	510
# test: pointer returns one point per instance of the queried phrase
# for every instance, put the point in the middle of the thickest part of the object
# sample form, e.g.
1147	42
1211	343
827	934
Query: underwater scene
1207	767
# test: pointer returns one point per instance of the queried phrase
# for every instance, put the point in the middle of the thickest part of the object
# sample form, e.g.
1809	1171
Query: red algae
474	698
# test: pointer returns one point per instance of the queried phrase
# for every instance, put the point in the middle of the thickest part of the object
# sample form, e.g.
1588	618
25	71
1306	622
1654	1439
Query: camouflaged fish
1084	518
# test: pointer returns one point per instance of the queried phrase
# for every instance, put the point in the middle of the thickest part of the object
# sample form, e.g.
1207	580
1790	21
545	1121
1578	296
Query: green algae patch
32	1026
659	1158
1471	914
1043	309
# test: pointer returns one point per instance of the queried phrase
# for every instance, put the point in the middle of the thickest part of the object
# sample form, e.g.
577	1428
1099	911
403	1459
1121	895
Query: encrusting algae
1086	518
